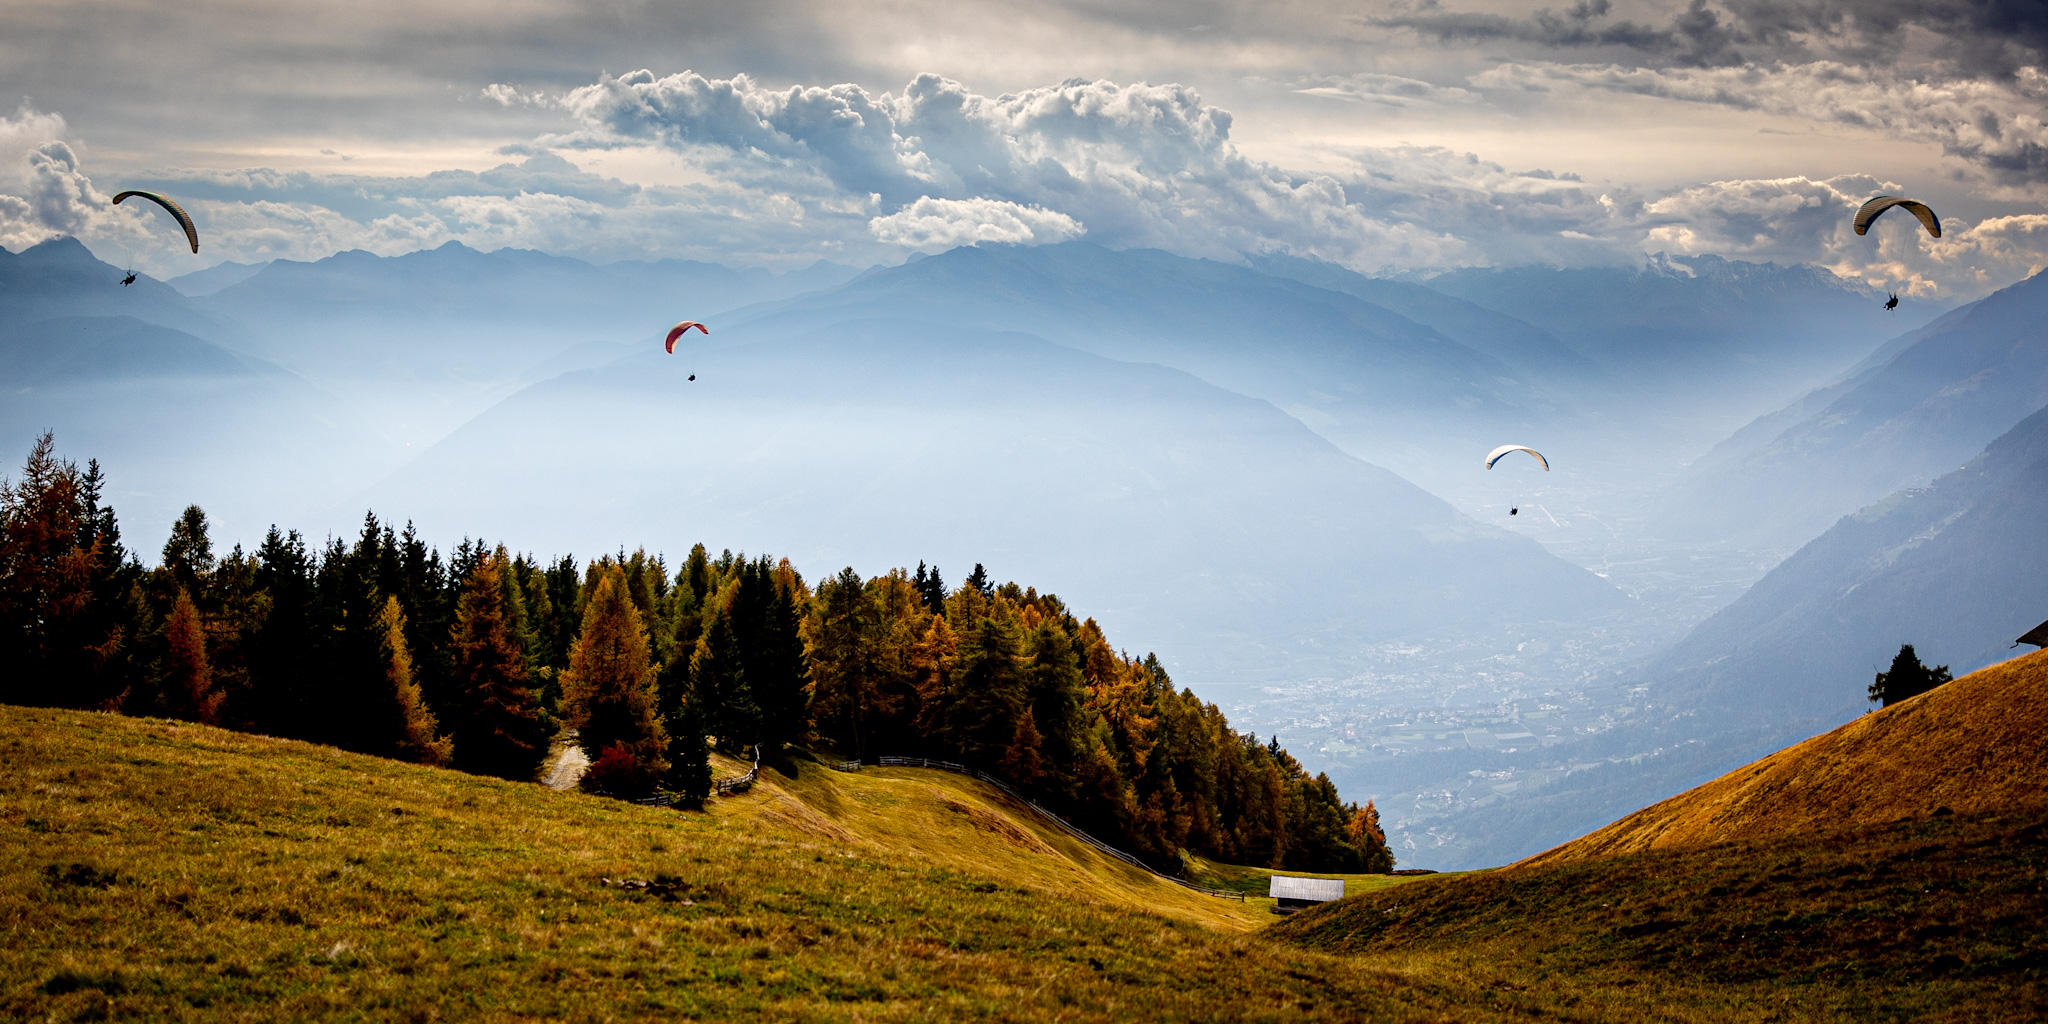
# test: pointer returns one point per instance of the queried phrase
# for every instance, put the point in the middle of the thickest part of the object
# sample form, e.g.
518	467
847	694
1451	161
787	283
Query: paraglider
130	279
1871	210
1501	452
679	330
1891	303
191	233
1495	455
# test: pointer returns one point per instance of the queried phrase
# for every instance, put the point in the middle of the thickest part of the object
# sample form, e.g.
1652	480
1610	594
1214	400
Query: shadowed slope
1974	746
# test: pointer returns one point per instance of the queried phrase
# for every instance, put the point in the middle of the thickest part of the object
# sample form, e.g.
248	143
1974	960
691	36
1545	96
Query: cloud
1996	126
783	176
944	223
1385	90
1941	39
1138	164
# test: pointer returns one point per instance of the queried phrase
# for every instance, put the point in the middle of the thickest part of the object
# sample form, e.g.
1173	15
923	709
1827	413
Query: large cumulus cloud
1138	164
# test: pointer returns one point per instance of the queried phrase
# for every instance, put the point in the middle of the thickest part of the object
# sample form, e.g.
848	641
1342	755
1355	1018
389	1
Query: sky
1391	136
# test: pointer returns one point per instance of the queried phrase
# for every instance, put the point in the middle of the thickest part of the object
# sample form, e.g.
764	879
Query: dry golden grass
152	870
1978	745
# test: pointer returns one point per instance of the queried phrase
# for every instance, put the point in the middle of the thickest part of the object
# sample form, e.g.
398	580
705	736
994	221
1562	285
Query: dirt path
569	766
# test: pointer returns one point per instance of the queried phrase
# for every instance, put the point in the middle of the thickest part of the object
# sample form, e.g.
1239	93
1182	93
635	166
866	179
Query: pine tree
1365	834
608	689
1908	678
978	580
689	757
187	686
718	669
188	554
503	731
411	726
989	680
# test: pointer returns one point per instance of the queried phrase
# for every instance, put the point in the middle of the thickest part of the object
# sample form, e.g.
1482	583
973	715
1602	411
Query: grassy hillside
152	870
156	870
1896	867
1978	745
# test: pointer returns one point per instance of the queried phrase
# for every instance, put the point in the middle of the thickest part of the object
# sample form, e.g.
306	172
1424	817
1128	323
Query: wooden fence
1058	822
727	787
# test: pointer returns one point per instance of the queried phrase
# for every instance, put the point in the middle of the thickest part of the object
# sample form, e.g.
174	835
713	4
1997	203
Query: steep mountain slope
1938	395
1890	869
61	278
1204	524
1975	746
1383	387
1957	569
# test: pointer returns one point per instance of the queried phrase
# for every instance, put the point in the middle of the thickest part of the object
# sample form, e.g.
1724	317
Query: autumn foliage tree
382	644
504	730
609	691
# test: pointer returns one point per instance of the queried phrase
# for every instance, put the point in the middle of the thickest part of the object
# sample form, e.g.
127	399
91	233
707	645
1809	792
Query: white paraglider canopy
1495	455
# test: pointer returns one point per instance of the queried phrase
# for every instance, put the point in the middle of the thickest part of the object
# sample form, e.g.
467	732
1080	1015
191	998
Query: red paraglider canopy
678	330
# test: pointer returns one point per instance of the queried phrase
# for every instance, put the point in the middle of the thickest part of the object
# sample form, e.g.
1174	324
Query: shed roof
1316	889
2038	636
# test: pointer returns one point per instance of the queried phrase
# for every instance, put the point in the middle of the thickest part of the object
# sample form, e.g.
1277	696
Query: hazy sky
1388	135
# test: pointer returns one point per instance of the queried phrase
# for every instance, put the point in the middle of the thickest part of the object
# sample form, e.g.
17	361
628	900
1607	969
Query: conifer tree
48	572
608	689
1908	677
978	581
718	671
1365	834
689	757
503	731
188	554
989	680
411	727
187	686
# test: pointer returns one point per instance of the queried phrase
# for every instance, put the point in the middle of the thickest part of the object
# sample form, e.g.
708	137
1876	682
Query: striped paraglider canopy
191	233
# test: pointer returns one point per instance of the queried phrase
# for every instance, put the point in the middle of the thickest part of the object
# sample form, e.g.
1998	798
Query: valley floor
153	870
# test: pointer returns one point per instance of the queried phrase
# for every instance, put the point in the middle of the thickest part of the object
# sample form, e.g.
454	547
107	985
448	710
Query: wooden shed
1292	894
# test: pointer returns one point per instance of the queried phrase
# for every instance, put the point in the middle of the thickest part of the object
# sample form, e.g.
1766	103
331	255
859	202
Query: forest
477	660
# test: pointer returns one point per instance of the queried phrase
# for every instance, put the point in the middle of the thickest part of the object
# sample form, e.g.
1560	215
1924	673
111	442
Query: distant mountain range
1917	408
1237	465
1201	523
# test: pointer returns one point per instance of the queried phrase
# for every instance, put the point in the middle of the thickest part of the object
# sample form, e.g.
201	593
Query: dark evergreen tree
718	669
1907	678
989	691
689	757
281	644
188	554
978	580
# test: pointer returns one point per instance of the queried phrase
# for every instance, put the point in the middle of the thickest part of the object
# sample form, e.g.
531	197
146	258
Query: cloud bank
779	176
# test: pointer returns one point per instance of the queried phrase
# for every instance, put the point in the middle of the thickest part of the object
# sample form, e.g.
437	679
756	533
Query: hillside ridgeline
1973	746
1891	869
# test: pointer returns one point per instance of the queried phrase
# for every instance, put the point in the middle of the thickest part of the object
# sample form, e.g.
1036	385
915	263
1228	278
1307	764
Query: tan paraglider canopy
191	233
1869	212
1495	455
679	330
